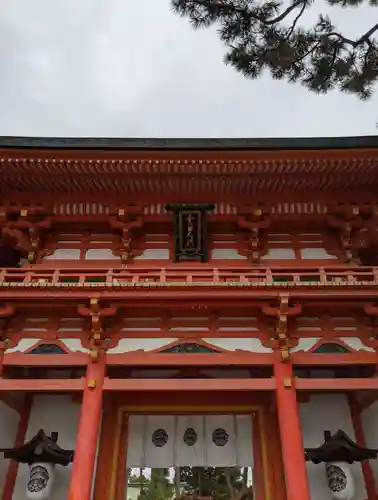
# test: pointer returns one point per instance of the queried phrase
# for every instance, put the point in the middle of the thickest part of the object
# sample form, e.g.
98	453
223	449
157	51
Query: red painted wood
189	296
360	440
336	384
161	359
225	385
258	465
41	385
69	359
297	487
358	358
87	434
11	476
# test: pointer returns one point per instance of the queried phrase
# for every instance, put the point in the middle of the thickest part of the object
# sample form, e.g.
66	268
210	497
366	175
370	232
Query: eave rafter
232	173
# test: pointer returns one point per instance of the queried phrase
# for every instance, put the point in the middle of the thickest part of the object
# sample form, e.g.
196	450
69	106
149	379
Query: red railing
185	276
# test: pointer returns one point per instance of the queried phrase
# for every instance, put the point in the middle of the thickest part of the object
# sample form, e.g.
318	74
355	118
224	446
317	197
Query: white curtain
190	440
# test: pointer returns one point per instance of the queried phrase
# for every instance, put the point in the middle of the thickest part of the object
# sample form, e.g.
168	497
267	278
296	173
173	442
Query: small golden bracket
284	354
91	383
94	354
24	212
287	383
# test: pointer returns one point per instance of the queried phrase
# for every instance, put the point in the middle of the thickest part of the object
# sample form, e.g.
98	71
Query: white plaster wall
9	420
327	412
52	413
369	419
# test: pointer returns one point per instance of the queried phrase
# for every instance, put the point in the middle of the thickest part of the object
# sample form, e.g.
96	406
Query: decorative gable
330	348
47	349
189	348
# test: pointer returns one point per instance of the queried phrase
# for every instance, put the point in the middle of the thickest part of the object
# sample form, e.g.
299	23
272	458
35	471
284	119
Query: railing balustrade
186	276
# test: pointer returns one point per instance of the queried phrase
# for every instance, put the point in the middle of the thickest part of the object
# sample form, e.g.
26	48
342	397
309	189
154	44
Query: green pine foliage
215	482
158	487
267	36
218	483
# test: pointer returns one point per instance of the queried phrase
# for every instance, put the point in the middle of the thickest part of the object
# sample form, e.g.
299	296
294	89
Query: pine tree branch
321	57
286	12
365	38
292	27
228	7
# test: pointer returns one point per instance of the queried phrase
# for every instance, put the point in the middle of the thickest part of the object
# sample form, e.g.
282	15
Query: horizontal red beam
336	384
136	272
203	385
38	385
69	359
148	359
152	359
224	385
232	295
353	358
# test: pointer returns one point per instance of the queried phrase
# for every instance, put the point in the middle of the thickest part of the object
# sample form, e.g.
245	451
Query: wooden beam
309	358
44	385
208	302
336	384
55	360
187	294
263	384
150	359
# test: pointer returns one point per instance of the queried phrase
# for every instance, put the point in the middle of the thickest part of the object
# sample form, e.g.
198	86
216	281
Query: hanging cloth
190	440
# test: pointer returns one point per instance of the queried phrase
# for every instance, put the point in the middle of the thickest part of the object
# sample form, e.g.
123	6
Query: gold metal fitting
91	383
94	354
257	211
284	354
24	212
287	383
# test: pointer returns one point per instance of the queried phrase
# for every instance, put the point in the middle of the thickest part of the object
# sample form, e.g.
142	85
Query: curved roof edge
304	143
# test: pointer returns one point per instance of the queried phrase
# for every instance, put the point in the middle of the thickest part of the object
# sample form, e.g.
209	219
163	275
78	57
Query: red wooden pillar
291	436
89	426
355	413
11	476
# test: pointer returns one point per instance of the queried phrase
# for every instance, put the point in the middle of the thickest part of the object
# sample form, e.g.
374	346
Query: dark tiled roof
190	144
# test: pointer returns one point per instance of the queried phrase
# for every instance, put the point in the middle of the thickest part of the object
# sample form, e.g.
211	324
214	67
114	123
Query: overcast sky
132	68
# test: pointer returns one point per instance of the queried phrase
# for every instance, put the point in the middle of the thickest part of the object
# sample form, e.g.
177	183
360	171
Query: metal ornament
40	482
340	480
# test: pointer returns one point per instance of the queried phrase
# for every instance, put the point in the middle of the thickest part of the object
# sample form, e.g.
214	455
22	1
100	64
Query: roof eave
256	144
